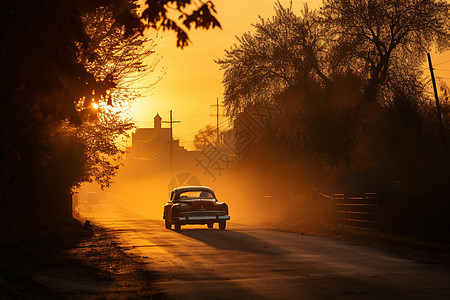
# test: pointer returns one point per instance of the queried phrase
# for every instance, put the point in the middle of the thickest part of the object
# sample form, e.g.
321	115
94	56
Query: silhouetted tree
118	57
284	51
291	61
207	136
380	35
319	66
356	112
57	59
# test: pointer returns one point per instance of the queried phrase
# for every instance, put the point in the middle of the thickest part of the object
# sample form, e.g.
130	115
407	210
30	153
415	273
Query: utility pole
217	119
171	138
217	113
438	107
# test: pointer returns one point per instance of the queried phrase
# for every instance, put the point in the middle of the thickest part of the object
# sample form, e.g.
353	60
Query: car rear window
195	195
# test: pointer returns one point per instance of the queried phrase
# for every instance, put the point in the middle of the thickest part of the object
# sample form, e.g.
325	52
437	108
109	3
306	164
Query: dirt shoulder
427	252
92	267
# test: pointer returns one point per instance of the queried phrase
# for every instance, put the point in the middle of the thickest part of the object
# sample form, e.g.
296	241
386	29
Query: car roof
193	188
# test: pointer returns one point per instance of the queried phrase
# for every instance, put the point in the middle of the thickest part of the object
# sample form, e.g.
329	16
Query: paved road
245	262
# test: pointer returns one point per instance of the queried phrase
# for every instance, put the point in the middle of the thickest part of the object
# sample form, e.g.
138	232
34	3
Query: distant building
150	152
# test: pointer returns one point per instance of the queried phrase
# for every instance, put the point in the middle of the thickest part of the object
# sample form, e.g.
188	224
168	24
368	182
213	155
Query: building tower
157	120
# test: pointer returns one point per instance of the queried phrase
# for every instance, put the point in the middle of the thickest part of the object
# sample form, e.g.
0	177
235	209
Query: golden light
95	105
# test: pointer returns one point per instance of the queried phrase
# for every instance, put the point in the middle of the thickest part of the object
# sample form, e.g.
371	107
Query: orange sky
193	81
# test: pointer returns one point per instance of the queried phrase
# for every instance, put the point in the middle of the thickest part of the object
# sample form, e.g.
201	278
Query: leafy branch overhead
158	15
68	69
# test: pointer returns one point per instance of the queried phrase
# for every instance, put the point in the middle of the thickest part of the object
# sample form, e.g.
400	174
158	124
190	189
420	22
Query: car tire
177	226
222	225
210	225
168	224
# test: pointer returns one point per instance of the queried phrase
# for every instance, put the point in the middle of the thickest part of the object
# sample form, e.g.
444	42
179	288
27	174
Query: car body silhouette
194	205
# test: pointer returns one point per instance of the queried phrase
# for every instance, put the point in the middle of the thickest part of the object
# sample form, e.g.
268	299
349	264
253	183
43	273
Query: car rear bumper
201	219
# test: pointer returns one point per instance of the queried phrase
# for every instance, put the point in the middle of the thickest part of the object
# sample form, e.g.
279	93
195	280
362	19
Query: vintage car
194	205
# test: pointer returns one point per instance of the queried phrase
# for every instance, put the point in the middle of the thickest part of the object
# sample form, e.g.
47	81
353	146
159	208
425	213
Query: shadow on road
232	240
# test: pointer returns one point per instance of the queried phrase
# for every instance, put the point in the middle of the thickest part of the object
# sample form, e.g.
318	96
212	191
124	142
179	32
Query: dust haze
251	196
358	120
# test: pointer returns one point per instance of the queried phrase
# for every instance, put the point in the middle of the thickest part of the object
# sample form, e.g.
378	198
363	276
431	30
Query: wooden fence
360	212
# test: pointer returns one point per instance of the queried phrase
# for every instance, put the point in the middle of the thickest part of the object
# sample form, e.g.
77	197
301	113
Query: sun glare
95	105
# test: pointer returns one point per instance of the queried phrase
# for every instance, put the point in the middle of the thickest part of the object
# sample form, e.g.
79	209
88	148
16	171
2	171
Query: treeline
67	71
358	113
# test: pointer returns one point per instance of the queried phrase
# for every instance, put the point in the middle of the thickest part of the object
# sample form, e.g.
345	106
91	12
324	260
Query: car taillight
176	210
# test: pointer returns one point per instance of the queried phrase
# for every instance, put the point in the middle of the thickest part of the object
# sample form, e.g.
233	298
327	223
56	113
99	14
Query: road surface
247	262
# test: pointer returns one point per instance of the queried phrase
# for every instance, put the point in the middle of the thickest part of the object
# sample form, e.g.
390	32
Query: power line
171	122
442	63
222	124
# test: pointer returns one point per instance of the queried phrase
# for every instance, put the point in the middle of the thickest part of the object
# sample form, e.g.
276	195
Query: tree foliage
284	51
58	59
381	35
186	16
117	57
376	40
356	110
205	137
